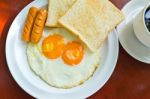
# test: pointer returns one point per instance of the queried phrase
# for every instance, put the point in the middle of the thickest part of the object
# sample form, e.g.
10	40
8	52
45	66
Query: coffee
147	18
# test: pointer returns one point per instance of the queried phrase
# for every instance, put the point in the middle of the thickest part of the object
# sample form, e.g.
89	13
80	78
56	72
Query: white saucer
126	34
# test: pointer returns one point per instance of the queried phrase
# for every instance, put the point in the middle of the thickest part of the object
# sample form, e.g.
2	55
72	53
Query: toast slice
92	21
56	9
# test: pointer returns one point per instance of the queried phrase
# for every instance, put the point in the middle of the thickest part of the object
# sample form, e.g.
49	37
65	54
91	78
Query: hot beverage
147	18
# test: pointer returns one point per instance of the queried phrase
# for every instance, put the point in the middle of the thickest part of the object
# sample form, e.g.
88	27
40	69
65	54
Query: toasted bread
56	9
92	21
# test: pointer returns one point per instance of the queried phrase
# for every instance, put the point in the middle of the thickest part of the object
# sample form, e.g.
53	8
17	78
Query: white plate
126	34
19	68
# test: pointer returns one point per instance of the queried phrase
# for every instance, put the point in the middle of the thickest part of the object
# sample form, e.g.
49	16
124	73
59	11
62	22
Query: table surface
130	79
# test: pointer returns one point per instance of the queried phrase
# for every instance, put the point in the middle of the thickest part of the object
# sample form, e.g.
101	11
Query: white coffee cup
140	28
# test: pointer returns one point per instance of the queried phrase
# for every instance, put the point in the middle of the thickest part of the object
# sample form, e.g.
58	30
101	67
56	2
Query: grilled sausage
29	24
38	25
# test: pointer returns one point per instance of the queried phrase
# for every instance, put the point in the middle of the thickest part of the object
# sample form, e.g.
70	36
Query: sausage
29	24
38	26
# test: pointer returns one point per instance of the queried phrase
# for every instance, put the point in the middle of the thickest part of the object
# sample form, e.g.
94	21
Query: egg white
54	71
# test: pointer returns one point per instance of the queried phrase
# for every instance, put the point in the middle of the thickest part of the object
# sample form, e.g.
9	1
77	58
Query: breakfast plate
33	85
126	34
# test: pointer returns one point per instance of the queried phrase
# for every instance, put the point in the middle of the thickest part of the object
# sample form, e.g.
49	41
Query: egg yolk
73	53
52	46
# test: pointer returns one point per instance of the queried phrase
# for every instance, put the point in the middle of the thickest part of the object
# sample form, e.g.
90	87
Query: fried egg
61	59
